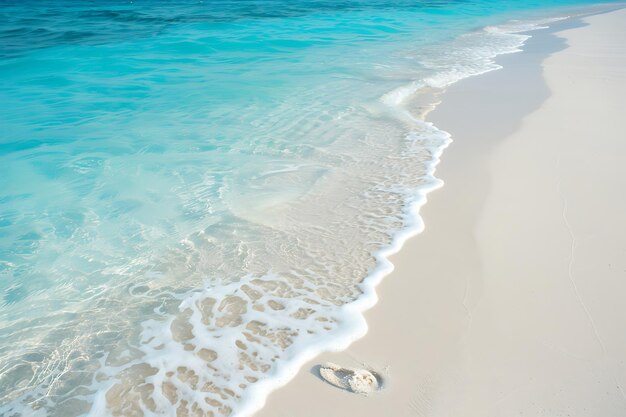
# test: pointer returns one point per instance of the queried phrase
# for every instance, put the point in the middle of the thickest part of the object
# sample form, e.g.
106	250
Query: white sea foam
214	349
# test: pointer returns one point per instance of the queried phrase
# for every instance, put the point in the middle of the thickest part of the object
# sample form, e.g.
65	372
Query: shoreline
438	260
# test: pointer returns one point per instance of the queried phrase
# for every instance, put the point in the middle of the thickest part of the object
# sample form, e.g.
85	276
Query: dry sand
513	300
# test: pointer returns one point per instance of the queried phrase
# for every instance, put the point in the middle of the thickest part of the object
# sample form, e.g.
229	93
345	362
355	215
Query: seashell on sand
359	381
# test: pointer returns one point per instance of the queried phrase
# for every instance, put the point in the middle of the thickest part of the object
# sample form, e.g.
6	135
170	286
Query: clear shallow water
191	195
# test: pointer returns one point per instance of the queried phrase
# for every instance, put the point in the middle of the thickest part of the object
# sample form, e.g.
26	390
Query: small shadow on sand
315	371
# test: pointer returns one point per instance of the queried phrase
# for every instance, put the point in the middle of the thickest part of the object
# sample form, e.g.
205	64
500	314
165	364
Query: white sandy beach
513	300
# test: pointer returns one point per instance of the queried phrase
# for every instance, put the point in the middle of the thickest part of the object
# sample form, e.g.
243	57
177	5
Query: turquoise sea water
193	193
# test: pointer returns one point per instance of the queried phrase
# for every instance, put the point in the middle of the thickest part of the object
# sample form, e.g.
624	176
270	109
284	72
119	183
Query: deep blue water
181	178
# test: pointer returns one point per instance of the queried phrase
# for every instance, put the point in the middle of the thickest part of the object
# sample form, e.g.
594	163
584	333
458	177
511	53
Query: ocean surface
198	196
